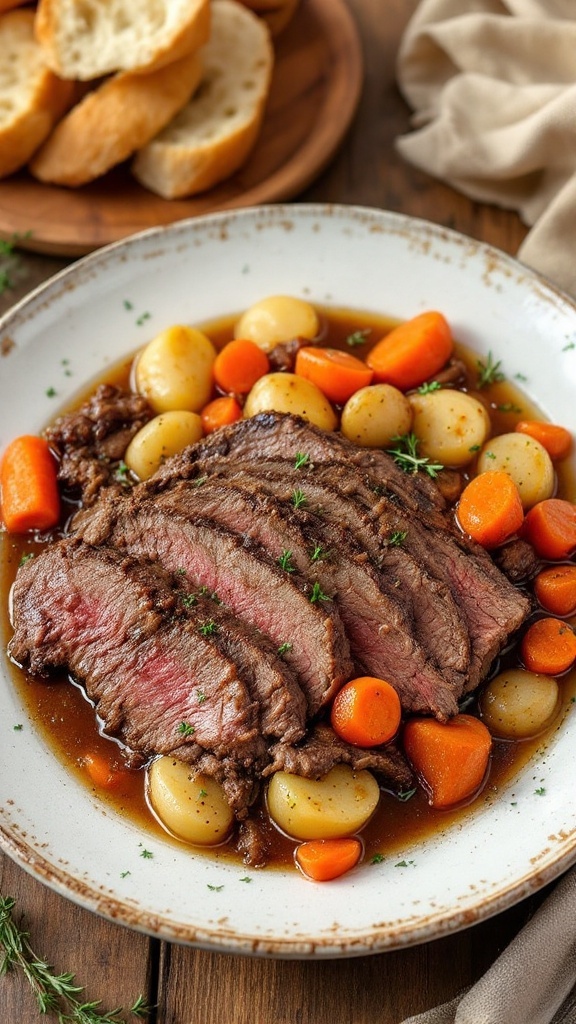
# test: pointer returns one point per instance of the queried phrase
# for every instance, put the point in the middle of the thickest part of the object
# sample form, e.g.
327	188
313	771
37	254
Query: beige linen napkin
533	981
493	87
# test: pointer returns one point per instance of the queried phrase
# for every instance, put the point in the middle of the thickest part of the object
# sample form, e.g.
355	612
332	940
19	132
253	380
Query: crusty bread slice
32	98
113	120
214	133
87	39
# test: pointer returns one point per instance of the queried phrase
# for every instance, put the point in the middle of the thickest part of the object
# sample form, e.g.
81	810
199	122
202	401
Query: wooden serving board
315	91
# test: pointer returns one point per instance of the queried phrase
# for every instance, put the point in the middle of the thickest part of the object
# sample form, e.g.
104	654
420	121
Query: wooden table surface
188	986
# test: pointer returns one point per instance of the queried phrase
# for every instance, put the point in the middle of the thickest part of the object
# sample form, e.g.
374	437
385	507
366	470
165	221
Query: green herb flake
208	628
429	386
474	448
124	874
142	319
405	864
405	455
215	888
285	561
319	554
50	392
200	696
284	648
508	407
318	594
569	346
185	729
540	791
147	854
298	498
488	372
199	481
397	538
127	304
377	858
18	728
246	878
301	460
359	337
202	794
406	794
189	600
26	558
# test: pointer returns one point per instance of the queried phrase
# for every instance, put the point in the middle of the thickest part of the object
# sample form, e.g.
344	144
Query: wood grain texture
199	987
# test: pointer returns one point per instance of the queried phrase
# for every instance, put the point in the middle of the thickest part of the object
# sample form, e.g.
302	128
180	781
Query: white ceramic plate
194	271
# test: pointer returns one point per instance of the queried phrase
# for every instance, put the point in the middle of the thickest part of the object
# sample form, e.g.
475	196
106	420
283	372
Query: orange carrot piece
366	712
324	859
550	527
556	440
555	589
29	485
338	374
219	413
549	647
102	773
412	352
490	508
239	365
450	758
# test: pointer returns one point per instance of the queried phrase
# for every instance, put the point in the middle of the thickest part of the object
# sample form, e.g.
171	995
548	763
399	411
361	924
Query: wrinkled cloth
533	981
492	84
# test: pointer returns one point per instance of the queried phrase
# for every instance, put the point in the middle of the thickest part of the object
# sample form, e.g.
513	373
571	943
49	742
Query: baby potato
375	414
450	426
192	807
286	392
337	805
161	437
525	460
174	370
277	318
517	704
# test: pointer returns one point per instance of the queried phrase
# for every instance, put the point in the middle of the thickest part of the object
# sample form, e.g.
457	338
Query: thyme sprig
405	454
55	994
488	372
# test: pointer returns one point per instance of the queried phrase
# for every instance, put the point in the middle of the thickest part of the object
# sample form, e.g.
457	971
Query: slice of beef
439	625
323	749
271	681
114	625
91	441
244	577
381	635
280	435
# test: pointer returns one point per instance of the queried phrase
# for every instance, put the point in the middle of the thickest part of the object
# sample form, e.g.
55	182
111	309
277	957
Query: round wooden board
315	91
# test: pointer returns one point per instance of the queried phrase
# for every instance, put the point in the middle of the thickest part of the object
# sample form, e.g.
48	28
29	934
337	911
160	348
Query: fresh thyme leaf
428	386
298	498
301	460
405	455
246	878
189	600
147	854
359	337
285	561
200	696
319	554
26	558
508	407
142	319
318	594
18	728
185	729
51	392
208	628
284	648
202	794
488	372
54	993
215	888
406	794
397	537
377	858
540	791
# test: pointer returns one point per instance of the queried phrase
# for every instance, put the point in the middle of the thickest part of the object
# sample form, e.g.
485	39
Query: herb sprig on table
55	994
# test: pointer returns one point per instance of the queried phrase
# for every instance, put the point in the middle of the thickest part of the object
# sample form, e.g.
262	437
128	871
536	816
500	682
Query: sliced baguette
214	133
114	120
32	98
87	39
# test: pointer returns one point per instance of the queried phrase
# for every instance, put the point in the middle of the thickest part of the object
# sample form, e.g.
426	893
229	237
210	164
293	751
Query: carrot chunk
102	773
550	527
366	712
556	440
555	589
549	647
324	859
338	374
239	365
450	758
219	413
412	352
29	485
490	508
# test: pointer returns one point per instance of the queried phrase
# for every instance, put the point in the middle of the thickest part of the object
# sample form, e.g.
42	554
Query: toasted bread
33	98
114	120
87	39
214	133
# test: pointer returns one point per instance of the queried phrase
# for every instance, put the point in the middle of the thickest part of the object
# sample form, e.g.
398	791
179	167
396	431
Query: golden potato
450	426
174	370
375	414
526	461
165	435
275	319
517	704
192	807
286	392
337	805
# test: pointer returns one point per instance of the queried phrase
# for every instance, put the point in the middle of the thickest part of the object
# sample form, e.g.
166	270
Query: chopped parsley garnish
202	794
488	372
246	878
406	794
147	854
508	407
124	874
428	386
215	888
185	729
50	392
540	791
208	628
377	858
318	594
319	554
284	648
405	455
285	561
397	538
298	498
18	728
26	558
405	864
142	319
359	337
200	696
189	600
301	460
